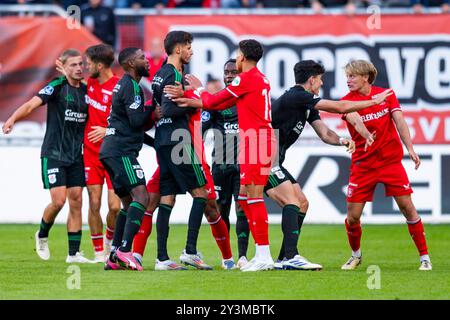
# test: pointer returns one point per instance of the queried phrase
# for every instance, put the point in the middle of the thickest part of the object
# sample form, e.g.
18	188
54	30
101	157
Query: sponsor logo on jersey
96	104
236	81
375	115
231	128
206	116
48	90
298	128
116	88
137	103
74	116
52	178
163	121
110	131
157	80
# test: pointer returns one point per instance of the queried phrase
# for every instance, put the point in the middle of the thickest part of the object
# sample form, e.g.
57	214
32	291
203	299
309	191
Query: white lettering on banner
403	82
416	66
436	79
429	129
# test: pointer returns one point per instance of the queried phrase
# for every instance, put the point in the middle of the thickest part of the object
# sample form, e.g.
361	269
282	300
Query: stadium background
411	52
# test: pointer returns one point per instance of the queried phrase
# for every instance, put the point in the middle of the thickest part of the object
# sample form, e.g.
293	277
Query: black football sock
162	230
301	218
44	228
289	225
242	232
225	214
135	213
74	242
119	228
194	223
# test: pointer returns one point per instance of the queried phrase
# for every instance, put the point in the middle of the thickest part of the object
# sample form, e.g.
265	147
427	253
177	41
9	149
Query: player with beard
119	151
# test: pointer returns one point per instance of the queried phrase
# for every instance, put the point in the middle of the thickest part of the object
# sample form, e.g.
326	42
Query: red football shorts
95	172
256	159
153	183
362	182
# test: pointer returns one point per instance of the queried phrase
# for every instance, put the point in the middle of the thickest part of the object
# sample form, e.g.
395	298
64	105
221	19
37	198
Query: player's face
92	68
74	68
355	81
316	84
186	53
141	64
239	60
229	73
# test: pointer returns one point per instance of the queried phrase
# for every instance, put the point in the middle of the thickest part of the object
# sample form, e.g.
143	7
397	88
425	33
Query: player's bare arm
404	134
22	112
355	120
345	106
330	137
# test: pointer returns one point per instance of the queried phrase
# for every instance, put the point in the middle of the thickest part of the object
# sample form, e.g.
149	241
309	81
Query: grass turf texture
24	276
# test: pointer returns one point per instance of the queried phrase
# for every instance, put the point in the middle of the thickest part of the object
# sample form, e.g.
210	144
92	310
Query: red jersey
252	90
387	147
99	100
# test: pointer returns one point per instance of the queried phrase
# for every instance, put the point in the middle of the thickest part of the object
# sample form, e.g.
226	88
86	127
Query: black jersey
173	116
289	115
126	122
66	118
226	122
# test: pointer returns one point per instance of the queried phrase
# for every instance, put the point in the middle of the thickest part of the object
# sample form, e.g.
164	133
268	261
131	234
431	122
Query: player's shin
140	239
289	226
417	233
220	233
242	232
135	214
118	230
194	223
162	230
354	233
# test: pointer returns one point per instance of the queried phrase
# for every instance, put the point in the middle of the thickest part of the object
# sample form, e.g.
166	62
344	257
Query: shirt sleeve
313	116
238	87
393	103
221	100
50	91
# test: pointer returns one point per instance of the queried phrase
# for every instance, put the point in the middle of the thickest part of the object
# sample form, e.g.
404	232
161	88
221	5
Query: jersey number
267	111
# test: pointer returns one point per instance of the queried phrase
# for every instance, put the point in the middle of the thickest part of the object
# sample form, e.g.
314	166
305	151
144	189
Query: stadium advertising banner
29	47
411	53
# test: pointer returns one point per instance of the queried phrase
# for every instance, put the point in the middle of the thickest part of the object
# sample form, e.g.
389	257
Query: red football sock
220	233
97	241
354	234
140	239
109	233
242	200
418	235
260	221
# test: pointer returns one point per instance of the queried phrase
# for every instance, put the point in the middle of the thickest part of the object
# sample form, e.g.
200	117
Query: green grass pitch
24	276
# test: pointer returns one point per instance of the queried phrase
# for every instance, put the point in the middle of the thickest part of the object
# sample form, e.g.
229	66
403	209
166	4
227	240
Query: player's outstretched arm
23	111
355	120
404	134
345	106
330	137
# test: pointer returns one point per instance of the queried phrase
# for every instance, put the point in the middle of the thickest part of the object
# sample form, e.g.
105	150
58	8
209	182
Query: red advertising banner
29	47
411	53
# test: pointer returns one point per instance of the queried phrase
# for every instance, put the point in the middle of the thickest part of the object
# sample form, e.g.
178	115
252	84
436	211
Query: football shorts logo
52	178
48	90
236	81
206	116
349	192
242	175
140	174
407	186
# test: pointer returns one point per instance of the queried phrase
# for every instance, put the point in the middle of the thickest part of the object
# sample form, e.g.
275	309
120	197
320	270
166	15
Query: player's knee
58	203
114	207
303	205
353	220
211	212
94	204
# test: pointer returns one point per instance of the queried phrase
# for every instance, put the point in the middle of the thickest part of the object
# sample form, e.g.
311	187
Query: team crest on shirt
236	81
140	174
48	90
205	116
52	178
105	98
